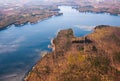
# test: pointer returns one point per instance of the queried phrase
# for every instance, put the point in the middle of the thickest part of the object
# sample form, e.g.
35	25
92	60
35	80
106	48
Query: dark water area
21	47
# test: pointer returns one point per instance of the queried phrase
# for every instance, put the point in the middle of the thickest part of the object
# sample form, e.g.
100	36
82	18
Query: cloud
87	28
37	50
11	46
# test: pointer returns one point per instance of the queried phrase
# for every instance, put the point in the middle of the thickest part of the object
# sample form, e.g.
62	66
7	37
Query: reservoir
21	47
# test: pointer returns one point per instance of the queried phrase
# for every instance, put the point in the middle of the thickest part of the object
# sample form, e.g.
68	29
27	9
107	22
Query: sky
11	1
24	1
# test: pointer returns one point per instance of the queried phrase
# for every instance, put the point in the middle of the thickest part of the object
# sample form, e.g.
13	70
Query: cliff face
95	57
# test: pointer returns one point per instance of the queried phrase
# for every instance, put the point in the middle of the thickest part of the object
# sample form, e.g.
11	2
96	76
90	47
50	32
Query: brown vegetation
95	57
27	13
111	6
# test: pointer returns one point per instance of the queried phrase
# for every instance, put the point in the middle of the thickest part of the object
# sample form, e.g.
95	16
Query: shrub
116	57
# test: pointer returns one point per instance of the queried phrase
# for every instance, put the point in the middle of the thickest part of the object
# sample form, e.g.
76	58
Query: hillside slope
95	57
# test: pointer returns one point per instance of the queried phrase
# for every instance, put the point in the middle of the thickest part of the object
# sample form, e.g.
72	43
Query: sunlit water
20	47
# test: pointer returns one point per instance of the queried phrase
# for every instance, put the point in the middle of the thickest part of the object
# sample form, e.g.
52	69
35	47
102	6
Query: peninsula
20	15
94	57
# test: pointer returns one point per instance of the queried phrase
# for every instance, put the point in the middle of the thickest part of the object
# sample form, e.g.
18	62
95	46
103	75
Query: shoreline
52	46
27	73
31	23
34	65
99	13
93	11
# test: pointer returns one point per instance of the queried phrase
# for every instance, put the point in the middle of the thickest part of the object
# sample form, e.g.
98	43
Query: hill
95	57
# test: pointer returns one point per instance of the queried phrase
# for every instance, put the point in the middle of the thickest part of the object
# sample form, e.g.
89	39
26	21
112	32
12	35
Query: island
94	57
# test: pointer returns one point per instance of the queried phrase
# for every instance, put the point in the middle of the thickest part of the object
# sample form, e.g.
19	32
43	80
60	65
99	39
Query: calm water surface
20	47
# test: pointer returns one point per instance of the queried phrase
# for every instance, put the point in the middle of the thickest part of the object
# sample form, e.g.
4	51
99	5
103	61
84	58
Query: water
20	47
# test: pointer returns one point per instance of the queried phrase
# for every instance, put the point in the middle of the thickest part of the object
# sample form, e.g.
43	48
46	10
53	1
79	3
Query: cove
21	47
